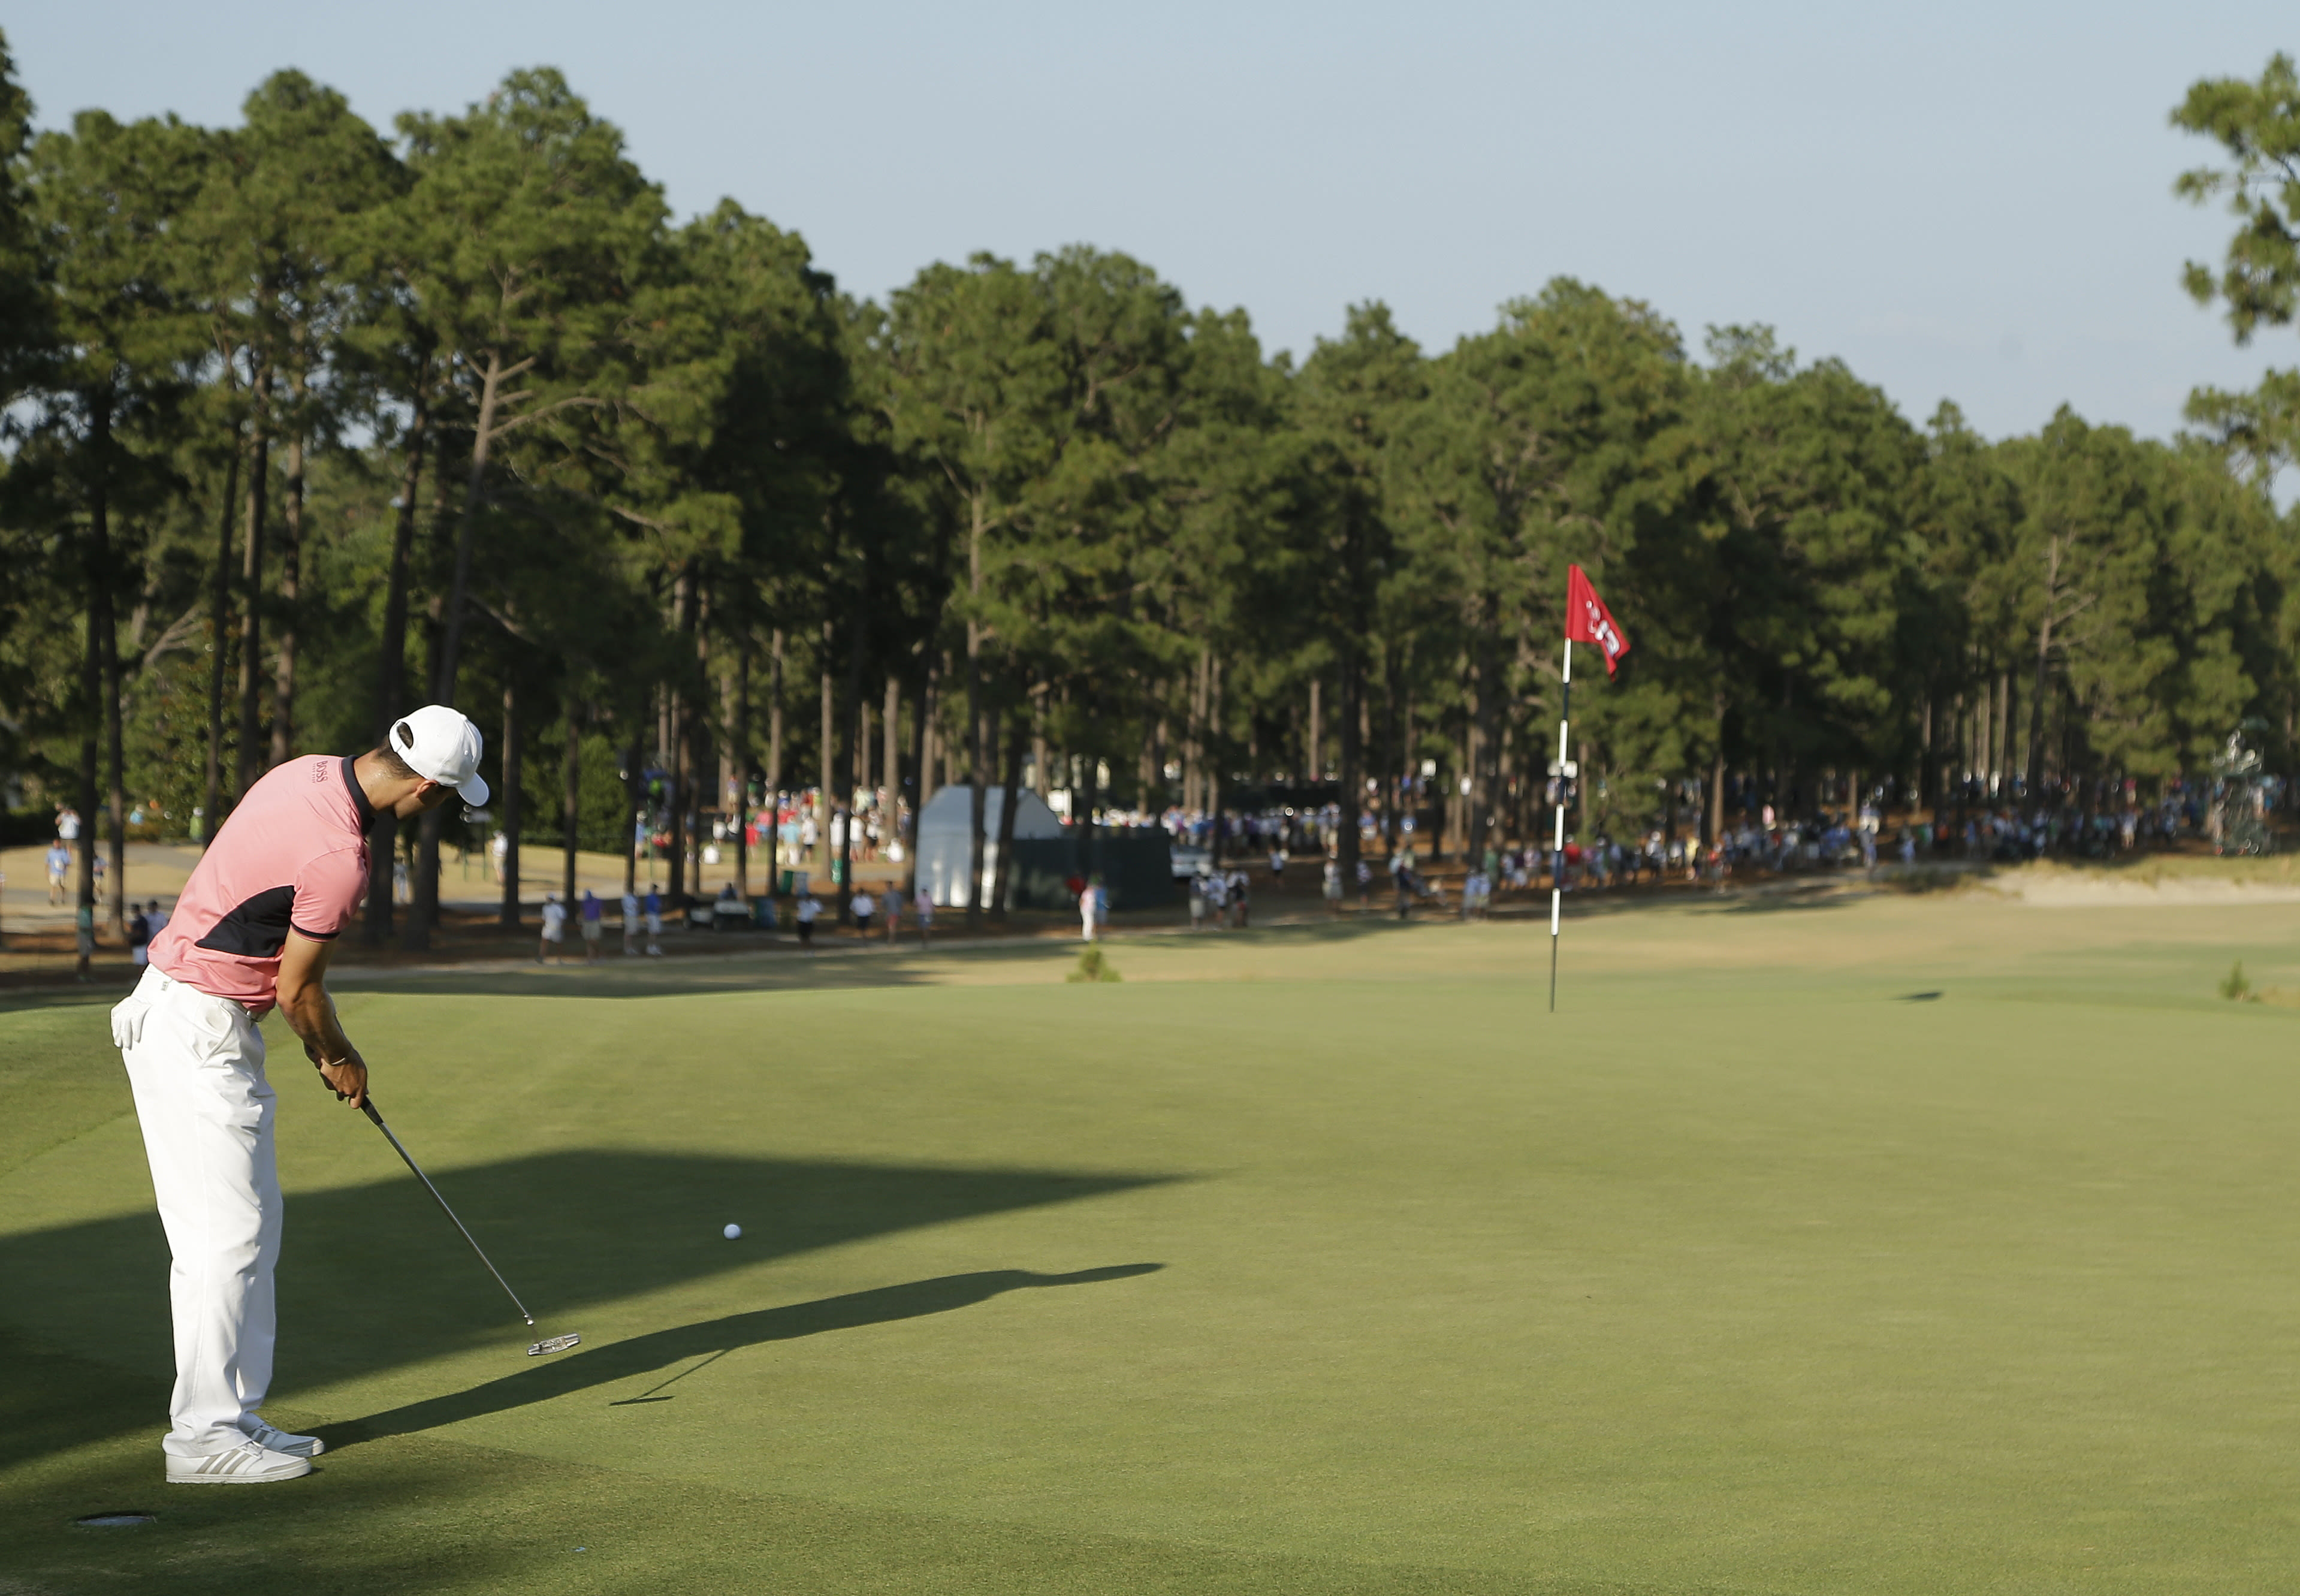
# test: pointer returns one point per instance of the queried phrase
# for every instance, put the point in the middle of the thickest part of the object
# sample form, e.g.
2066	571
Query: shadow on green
374	1276
711	1341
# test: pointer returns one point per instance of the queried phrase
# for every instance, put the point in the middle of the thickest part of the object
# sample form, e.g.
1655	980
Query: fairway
1818	1244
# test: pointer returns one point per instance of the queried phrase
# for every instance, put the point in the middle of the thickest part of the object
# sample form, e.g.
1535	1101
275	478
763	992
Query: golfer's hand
348	1077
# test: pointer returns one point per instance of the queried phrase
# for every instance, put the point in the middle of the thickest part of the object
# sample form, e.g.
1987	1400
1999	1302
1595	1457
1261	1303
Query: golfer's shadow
714	1338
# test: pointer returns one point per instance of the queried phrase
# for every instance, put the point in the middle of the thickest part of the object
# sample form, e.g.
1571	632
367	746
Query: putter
557	1343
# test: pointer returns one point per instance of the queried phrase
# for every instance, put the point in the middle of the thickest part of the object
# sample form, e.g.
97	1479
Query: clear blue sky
1960	201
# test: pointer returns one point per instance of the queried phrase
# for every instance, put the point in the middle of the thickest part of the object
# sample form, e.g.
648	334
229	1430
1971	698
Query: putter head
557	1343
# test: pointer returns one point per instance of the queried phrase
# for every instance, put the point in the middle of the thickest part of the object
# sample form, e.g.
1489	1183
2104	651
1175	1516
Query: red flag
1589	621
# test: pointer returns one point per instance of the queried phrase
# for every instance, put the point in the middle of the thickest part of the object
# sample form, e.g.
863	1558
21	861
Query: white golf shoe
275	1440
245	1464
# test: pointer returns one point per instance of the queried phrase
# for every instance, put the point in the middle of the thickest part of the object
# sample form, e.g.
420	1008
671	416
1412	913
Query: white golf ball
732	1233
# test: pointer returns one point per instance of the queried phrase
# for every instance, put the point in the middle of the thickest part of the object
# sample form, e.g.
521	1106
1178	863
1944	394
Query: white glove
127	1023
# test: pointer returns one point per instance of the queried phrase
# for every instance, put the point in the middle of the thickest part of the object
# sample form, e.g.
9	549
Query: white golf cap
441	745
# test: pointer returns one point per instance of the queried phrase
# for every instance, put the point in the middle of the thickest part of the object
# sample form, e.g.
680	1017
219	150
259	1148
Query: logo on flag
1589	621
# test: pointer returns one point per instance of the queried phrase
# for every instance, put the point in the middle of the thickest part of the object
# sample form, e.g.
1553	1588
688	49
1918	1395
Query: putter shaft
367	1108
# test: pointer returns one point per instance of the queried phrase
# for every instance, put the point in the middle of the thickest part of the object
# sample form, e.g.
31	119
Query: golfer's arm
304	1003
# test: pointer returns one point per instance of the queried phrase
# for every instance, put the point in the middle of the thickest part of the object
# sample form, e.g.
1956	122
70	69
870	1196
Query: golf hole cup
733	1233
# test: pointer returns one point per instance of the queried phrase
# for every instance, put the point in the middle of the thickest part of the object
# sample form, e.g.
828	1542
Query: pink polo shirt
293	854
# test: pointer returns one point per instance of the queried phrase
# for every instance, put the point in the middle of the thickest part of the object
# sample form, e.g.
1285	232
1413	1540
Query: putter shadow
649	1353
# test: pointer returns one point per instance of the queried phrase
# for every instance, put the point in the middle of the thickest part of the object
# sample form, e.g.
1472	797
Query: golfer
253	929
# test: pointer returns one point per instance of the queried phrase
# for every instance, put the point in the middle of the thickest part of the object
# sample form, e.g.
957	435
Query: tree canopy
310	421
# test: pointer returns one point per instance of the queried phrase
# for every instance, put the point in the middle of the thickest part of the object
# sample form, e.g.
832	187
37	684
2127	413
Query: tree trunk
92	719
219	649
2011	729
855	758
1485	733
103	636
570	797
483	436
634	807
2037	700
1351	774
1405	792
1018	741
976	754
1193	720
921	746
424	912
684	600
890	754
251	624
925	735
1215	752
726	791
826	770
1717	794
683	807
391	668
775	763
117	827
291	558
1313	744
2000	757
738	741
515	775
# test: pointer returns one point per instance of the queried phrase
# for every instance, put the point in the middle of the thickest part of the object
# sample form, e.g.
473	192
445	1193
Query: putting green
1303	1260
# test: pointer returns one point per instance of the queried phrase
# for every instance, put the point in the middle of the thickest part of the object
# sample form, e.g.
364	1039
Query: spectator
923	901
592	913
654	912
139	938
554	929
630	923
808	908
861	907
58	867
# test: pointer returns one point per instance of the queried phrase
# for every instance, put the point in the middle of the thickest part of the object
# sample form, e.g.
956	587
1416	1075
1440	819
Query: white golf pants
196	1065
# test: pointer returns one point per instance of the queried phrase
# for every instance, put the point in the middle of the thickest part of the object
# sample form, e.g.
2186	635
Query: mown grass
1747	1271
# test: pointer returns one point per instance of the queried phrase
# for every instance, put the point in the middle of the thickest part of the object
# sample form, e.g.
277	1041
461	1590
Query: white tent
946	839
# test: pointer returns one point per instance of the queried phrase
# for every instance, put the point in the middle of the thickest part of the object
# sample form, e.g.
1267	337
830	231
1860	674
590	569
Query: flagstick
1557	855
